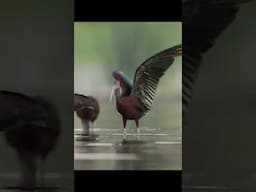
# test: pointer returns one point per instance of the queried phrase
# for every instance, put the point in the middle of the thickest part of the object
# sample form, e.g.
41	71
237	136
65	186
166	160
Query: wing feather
149	73
203	22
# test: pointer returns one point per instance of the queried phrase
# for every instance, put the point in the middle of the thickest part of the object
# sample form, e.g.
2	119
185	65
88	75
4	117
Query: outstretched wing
203	22
148	74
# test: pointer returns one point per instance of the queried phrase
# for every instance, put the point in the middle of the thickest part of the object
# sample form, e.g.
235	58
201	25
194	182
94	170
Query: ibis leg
86	127
42	181
28	169
124	123
138	128
91	128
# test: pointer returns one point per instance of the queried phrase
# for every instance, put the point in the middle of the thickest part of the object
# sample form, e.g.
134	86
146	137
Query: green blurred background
102	47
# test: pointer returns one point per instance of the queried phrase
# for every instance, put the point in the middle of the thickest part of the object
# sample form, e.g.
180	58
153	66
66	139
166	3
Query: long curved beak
115	86
112	93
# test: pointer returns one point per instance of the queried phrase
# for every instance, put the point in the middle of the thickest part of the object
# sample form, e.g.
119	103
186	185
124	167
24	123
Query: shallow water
159	145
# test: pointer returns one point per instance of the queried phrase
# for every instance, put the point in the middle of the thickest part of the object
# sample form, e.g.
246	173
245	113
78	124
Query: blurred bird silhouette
31	127
87	109
203	22
134	100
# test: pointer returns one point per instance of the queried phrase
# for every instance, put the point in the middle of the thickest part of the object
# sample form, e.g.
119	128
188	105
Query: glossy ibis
87	109
133	100
31	127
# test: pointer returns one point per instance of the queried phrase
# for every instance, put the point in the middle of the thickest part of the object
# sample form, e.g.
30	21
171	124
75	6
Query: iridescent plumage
136	99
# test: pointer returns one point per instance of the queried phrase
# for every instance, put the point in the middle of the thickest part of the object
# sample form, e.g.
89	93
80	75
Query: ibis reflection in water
31	127
87	109
134	100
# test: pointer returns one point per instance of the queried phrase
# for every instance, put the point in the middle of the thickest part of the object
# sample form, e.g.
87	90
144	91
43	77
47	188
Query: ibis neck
117	92
118	95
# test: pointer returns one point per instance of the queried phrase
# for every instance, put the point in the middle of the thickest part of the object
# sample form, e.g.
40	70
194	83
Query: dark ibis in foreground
31	127
87	109
133	100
